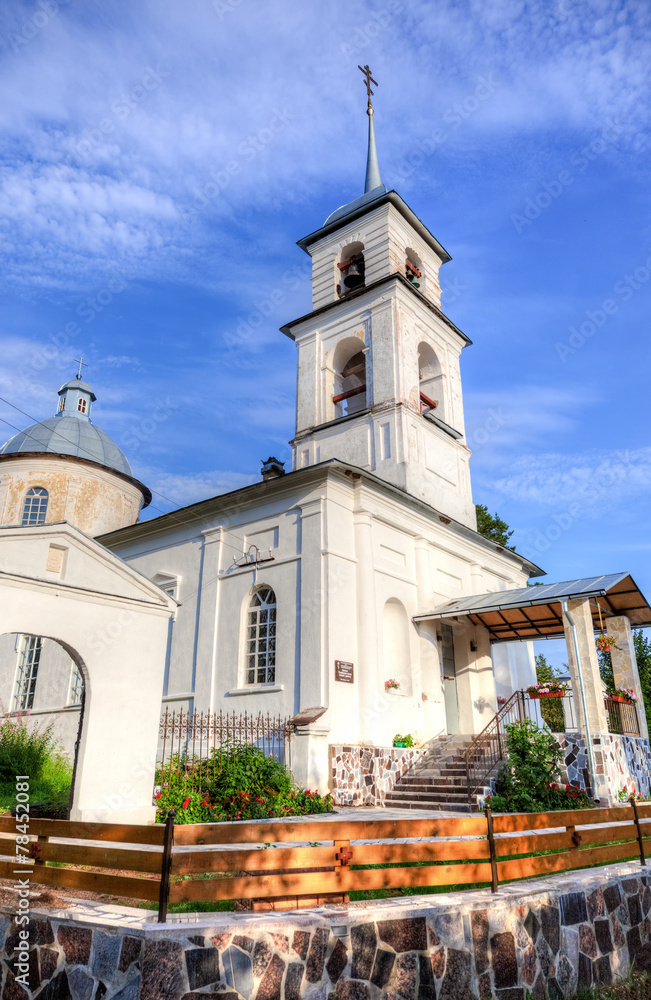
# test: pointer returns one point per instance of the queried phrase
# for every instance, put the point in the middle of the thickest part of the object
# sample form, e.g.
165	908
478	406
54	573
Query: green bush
24	749
529	782
36	753
234	782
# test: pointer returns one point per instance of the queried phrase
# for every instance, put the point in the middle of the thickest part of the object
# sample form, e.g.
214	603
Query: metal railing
622	717
191	741
488	748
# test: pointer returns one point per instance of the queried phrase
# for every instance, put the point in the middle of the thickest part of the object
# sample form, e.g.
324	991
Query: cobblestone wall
362	776
551	937
625	760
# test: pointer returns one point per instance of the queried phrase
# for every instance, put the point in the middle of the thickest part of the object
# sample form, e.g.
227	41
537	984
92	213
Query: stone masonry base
547	936
362	776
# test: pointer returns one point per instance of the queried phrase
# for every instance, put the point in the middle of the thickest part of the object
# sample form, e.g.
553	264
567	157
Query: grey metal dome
68	435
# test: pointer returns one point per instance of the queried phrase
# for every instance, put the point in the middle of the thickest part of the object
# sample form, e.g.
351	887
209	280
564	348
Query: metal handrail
488	747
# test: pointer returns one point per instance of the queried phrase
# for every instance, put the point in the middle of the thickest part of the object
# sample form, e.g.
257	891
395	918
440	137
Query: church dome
67	435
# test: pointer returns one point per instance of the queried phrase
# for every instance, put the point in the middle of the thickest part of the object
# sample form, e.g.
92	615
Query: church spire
373	179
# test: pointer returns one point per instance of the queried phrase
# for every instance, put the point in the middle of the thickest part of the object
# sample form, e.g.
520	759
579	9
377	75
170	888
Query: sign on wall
344	672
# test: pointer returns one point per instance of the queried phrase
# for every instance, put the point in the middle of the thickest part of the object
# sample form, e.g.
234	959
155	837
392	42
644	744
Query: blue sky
159	161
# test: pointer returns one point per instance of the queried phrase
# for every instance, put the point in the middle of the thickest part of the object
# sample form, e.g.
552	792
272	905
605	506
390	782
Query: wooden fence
167	864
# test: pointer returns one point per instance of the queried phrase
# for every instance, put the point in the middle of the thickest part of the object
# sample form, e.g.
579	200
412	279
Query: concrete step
427	796
461	807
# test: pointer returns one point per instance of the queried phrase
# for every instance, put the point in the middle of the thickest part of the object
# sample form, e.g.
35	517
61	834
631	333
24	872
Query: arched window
62	403
350	378
29	657
35	506
352	266
430	381
414	269
82	404
260	664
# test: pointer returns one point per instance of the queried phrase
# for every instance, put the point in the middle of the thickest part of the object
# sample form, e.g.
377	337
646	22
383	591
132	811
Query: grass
51	788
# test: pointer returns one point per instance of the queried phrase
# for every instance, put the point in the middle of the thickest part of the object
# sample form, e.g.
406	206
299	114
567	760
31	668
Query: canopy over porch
536	612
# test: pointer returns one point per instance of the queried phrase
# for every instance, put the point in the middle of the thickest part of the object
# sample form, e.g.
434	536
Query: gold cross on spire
368	80
80	361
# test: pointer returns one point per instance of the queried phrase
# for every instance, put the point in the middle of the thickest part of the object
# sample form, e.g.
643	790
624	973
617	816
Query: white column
625	671
313	688
367	631
430	667
205	666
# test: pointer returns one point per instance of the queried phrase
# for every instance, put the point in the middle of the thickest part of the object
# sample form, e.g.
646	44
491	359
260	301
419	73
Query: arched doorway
42	693
113	623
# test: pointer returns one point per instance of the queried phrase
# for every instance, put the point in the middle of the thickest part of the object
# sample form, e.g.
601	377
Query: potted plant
623	695
403	741
392	685
547	689
604	643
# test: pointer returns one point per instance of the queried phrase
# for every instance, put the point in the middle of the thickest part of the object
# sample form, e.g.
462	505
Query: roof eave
394	199
288	327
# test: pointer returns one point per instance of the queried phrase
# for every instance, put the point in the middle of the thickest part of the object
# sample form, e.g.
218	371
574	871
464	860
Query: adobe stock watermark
551	191
138	433
359	38
454	116
248	150
87	310
600	485
122	107
45	11
224	7
596	319
264	308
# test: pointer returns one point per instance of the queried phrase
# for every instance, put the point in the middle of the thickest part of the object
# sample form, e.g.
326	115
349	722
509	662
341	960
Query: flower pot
621	699
399	744
550	694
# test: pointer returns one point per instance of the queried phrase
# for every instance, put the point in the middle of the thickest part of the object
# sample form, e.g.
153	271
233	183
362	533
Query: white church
310	588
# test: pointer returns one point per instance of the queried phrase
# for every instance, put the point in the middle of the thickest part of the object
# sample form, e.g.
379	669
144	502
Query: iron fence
196	742
622	717
488	748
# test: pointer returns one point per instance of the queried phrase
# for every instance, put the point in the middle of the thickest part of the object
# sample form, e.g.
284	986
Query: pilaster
625	672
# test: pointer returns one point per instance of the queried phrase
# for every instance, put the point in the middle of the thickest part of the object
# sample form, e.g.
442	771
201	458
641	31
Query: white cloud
596	480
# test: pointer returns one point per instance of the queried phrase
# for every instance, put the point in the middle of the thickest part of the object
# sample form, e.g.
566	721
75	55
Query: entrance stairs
438	780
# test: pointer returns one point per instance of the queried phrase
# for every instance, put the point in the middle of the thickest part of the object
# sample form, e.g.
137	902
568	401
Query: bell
413	279
354	276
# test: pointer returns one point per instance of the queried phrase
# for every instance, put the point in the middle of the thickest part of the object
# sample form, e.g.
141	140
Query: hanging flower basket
622	701
547	694
604	643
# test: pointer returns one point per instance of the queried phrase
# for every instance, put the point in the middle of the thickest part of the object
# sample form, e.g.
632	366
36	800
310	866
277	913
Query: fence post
491	847
166	864
640	839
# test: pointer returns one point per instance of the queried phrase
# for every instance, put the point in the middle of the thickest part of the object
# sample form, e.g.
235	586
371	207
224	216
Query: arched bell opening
352	268
350	375
430	381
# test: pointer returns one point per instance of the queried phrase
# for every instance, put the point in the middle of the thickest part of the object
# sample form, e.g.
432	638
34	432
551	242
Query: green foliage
529	782
24	749
33	751
407	740
492	526
236	781
197	807
551	709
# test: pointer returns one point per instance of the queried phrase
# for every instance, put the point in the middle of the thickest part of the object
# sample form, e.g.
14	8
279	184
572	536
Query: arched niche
396	645
349	385
430	380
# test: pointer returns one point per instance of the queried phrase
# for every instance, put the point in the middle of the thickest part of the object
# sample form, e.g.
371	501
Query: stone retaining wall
362	776
625	760
550	936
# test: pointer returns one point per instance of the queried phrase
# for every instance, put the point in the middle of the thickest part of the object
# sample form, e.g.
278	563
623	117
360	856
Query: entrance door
449	679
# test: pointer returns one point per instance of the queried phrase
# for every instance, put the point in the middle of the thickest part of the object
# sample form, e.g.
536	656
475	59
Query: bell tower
379	384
